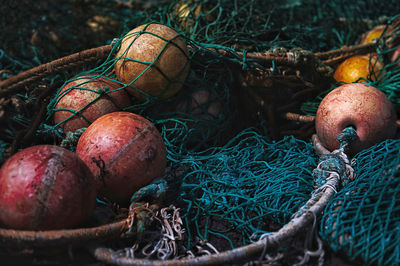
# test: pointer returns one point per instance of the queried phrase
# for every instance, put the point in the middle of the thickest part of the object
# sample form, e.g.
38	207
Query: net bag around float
241	187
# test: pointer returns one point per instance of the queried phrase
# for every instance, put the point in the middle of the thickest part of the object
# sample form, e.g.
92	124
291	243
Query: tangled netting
387	79
229	185
243	185
388	82
232	26
202	107
363	219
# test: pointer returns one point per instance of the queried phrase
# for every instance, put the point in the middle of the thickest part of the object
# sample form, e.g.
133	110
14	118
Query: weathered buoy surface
83	100
363	107
45	187
153	60
124	151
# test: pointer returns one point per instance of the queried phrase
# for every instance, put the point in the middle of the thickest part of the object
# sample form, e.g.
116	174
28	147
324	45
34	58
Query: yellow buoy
152	60
357	67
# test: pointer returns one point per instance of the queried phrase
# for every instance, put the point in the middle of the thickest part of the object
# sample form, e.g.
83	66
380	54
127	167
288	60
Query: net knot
348	135
330	166
155	191
114	42
103	90
141	212
71	138
302	56
336	165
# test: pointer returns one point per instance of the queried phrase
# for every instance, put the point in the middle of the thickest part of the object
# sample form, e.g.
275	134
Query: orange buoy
357	67
372	35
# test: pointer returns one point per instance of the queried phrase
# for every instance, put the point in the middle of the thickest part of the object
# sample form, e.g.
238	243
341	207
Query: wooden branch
300	118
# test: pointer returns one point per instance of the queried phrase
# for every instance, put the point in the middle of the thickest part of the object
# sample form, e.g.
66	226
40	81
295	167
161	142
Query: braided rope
290	58
19	238
348	51
305	216
309	118
235	255
11	85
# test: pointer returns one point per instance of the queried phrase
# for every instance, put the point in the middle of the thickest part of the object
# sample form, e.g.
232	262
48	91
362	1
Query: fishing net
362	220
202	109
237	129
244	184
386	79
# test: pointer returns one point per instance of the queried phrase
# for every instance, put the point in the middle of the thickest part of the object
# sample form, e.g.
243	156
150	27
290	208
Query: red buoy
360	106
124	151
45	187
91	97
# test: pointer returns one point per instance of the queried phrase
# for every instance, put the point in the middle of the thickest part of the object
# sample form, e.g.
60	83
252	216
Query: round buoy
357	67
45	187
124	151
85	99
153	60
360	106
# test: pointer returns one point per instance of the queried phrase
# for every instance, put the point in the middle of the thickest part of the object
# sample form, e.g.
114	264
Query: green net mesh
386	79
243	185
362	220
202	107
230	185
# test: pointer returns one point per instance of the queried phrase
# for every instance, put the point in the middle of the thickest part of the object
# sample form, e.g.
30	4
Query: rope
14	84
307	214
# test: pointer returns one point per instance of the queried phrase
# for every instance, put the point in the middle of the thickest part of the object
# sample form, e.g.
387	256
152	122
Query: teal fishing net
362	220
202	107
230	183
244	186
388	83
386	79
